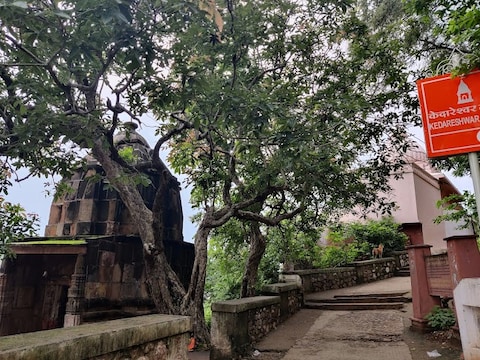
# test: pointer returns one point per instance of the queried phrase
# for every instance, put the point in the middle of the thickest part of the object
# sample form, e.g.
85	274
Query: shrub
342	254
440	318
372	232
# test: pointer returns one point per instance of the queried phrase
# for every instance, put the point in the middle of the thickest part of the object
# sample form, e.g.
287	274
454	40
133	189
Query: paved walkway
350	335
344	335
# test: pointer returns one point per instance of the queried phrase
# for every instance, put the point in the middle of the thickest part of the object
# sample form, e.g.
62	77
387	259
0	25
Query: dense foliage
355	240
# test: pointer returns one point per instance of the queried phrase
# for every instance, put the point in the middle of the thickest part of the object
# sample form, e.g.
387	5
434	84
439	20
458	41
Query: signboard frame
450	108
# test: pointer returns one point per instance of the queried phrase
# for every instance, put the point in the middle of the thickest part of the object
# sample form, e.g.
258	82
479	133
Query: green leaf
20	4
62	14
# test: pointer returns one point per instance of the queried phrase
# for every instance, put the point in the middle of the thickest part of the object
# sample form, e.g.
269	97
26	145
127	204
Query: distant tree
15	223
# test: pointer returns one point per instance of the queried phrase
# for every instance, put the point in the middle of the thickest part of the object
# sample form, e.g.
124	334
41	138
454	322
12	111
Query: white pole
475	171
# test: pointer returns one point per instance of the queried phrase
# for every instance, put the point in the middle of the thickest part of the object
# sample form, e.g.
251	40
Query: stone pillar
291	297
464	257
414	232
422	301
76	294
464	261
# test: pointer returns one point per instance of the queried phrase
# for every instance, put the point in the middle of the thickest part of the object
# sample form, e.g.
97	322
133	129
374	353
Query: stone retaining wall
141	338
373	270
316	280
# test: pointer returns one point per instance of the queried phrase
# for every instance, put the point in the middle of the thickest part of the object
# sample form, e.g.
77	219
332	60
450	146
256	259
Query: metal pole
475	171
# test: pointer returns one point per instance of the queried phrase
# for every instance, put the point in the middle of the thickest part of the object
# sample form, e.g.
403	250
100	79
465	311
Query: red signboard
450	113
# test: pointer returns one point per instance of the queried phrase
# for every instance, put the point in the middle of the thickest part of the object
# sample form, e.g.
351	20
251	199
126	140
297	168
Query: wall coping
245	304
318	271
419	246
279	288
91	340
372	261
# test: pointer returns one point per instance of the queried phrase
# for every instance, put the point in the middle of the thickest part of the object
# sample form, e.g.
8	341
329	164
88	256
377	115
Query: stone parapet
373	270
237	324
143	337
291	297
317	280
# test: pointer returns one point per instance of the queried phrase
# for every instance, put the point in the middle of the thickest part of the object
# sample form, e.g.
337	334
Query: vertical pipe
475	171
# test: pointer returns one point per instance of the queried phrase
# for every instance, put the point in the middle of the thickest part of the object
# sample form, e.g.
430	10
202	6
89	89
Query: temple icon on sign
463	93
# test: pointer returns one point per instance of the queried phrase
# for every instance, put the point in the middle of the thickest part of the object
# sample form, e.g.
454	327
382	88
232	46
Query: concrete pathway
345	335
339	335
353	335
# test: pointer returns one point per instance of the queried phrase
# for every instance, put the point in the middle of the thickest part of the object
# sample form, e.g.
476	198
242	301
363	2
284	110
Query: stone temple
89	265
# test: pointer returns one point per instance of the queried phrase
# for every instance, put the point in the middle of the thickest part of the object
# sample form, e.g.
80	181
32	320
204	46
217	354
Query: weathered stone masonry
150	337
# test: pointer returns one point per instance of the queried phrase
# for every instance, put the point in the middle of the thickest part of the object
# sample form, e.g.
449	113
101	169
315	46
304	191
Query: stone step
362	299
382	294
354	306
402	272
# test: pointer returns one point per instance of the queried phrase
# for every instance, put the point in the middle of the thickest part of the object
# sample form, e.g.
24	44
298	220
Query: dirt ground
447	343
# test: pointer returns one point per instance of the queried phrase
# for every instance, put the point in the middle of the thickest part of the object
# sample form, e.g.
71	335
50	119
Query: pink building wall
416	195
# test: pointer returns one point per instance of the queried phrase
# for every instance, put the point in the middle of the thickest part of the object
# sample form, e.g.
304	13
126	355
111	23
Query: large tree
69	71
297	105
271	108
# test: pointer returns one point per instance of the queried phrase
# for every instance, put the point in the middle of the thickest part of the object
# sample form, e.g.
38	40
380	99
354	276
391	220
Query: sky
31	193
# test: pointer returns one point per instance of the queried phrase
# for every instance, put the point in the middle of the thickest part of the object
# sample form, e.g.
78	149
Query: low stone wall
373	270
316	280
238	324
141	338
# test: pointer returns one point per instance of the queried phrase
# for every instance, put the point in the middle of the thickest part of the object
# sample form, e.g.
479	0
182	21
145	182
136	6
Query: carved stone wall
45	291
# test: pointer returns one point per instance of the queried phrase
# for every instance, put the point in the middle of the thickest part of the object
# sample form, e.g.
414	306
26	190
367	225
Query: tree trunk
165	222
257	249
165	288
193	301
